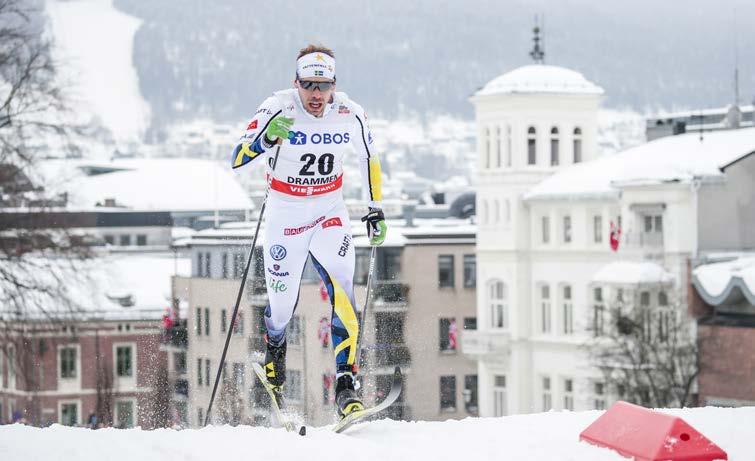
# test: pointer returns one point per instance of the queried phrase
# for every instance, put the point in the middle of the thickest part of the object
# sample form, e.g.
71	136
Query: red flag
615	236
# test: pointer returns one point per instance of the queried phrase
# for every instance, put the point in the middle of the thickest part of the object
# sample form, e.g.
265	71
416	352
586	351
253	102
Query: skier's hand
279	127
376	228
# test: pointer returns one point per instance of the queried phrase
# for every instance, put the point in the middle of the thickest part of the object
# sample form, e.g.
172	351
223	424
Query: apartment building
424	291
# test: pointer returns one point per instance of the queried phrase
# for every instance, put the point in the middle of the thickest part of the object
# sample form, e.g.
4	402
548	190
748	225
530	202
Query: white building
547	205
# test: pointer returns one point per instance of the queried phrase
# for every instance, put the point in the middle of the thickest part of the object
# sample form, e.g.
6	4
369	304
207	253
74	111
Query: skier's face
314	96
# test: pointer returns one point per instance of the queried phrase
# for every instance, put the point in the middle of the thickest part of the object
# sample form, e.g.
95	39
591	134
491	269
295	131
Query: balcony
486	343
391	296
256	291
644	240
390	355
175	336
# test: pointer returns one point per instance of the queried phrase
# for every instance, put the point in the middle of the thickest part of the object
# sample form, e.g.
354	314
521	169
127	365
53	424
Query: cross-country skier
306	214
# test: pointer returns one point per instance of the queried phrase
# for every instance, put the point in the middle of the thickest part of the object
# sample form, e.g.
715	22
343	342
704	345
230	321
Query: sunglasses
312	86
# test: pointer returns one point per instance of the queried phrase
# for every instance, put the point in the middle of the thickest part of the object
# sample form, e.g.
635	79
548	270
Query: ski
389	400
276	410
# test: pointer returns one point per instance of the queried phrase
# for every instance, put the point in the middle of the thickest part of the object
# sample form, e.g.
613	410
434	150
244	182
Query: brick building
102	359
723	300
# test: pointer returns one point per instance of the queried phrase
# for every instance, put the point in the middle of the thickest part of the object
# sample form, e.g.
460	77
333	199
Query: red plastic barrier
648	435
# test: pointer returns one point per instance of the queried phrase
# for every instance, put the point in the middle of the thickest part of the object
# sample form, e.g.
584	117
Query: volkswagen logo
278	252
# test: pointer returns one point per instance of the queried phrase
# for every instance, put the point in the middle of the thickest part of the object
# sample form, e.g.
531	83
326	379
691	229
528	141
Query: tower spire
538	50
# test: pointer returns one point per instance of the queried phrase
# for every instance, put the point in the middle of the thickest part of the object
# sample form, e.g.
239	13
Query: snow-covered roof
678	158
122	286
146	184
632	273
539	78
447	230
726	282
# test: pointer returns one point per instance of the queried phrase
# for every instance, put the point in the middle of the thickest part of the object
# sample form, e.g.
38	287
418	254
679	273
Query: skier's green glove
279	127
376	228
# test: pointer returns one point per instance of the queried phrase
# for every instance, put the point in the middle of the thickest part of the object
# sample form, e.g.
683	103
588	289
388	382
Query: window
179	362
470	394
294	331
597	228
448	393
666	318
207	321
293	388
545	309
110	239
199	372
531	146
388	264
238	324
662	298
598	312
198	324
125	240
487	148
498	142
2	380
238	265
68	362
496	212
124	414
577	145
200	263
554	146
207	264
645	299
207	372
238	375
223	321
124	361
500	403
484	212
497	302
546	226
599	401
508	145
653	223
568	394
470	271
10	365
69	414
141	240
224	264
446	271
567	229
547	397
470	323
507	211
200	417
448	334
568	311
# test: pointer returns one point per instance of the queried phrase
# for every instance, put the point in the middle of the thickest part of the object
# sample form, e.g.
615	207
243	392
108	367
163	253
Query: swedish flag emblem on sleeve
243	154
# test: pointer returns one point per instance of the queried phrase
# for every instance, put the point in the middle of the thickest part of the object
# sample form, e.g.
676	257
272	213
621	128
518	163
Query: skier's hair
311	48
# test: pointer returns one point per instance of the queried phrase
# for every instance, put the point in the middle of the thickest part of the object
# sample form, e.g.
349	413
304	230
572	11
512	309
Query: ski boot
347	400
275	370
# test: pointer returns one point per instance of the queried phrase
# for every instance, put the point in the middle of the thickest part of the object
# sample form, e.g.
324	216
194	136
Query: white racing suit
305	211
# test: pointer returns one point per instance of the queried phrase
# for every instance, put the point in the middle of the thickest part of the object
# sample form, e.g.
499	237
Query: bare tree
648	355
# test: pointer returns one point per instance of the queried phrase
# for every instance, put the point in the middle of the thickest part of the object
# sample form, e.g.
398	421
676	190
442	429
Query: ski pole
363	316
241	290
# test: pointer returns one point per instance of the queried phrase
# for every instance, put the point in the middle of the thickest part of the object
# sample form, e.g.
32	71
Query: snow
94	41
716	280
629	272
158	184
544	436
673	158
540	79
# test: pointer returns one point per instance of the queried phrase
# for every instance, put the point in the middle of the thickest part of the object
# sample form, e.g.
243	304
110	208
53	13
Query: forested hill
398	57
